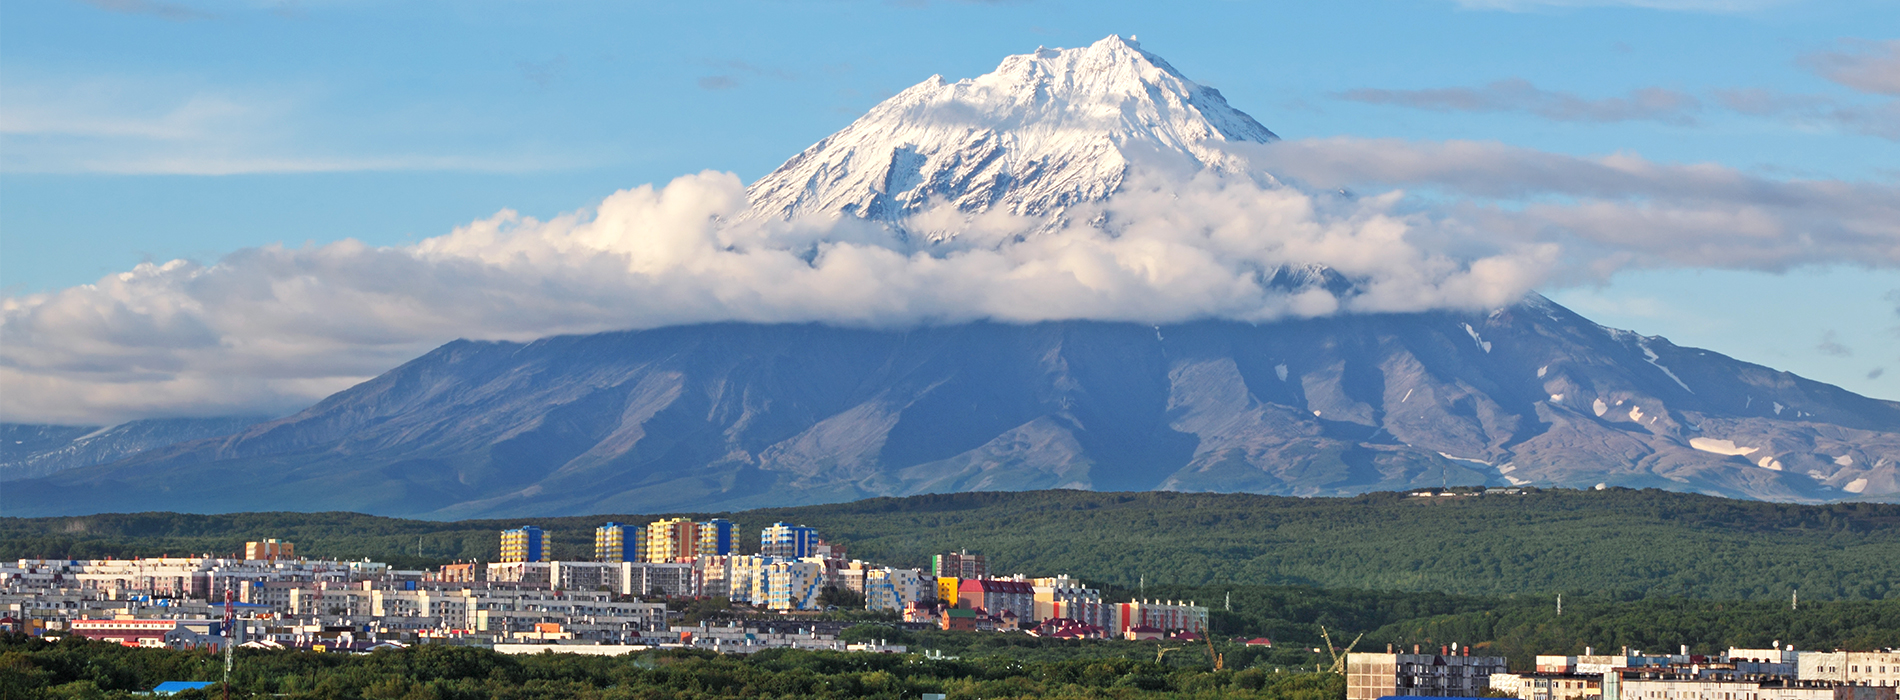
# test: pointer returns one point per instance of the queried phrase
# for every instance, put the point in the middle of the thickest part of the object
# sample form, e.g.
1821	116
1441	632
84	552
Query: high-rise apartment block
1445	674
787	541
269	550
715	538
959	565
610	543
672	540
523	544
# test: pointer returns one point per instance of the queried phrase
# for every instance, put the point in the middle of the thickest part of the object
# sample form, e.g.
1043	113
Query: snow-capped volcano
1043	131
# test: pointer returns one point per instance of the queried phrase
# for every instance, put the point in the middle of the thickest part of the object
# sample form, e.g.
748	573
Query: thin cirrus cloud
273	329
50	124
1722	6
1867	67
162	10
1519	95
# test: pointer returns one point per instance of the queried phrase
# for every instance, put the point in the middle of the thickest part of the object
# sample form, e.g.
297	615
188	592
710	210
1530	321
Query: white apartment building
1880	668
1662	686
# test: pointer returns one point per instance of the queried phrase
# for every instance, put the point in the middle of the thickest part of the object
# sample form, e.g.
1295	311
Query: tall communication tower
230	636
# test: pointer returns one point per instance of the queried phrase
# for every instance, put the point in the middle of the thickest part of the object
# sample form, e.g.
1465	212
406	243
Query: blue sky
142	130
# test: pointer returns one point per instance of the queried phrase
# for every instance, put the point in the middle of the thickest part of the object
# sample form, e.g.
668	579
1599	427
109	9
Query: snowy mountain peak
1045	130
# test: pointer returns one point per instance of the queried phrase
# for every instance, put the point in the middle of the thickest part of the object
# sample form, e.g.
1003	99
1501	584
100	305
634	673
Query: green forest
77	669
1616	544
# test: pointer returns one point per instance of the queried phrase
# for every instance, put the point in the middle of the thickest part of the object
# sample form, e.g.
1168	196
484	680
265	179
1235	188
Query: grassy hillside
1614	545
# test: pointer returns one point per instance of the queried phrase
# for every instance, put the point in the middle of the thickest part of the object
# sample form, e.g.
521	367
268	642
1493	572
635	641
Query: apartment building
1548	686
792	585
269	550
523	544
959	565
1064	598
716	538
1168	616
787	541
892	589
1446	674
610	543
672	540
997	597
1879	668
1652	685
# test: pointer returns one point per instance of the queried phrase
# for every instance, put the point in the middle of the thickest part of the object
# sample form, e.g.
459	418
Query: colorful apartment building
1170	616
961	564
793	585
523	544
892	589
997	597
672	540
715	538
610	543
787	541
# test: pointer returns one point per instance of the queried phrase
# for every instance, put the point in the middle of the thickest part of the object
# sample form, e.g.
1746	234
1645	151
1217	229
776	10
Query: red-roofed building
997	596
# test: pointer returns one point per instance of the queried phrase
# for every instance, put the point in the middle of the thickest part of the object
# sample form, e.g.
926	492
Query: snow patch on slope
1721	447
1473	332
1650	356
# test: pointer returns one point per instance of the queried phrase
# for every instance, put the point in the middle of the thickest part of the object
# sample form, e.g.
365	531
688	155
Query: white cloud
273	329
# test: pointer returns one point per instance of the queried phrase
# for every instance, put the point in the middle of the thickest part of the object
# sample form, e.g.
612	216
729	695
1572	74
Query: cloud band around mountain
273	328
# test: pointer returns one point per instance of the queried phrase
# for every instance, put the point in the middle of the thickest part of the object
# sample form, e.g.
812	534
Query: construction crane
1339	659
1163	652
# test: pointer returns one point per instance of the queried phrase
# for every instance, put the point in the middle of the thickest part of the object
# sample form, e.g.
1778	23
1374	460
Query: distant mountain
727	416
29	451
735	415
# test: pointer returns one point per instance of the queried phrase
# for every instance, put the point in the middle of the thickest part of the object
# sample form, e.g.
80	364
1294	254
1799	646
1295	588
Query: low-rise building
1547	686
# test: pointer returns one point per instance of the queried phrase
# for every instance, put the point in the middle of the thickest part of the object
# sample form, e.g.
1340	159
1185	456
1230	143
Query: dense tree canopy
1617	543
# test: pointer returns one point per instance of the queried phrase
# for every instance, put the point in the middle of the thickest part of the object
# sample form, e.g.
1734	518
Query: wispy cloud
1721	6
718	82
1867	66
164	126
543	73
1519	95
1831	345
161	10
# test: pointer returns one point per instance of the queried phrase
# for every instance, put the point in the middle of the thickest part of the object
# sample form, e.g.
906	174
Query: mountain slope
28	451
737	415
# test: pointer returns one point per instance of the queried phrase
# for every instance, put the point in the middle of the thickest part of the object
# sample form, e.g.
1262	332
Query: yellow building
523	544
610	543
947	589
672	540
269	550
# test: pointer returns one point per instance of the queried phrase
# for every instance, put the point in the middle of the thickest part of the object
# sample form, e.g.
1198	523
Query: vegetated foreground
77	668
1616	544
